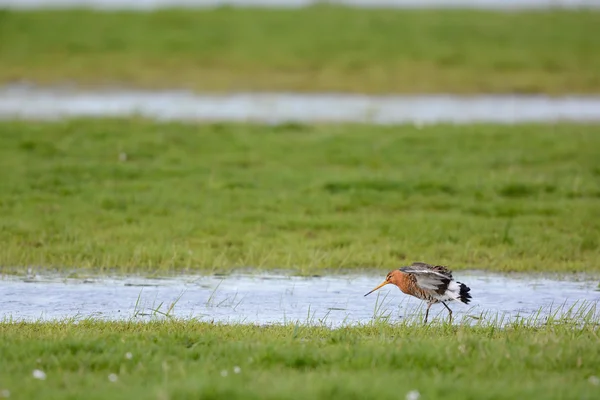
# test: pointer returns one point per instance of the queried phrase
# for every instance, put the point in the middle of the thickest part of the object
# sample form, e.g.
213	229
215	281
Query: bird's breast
406	284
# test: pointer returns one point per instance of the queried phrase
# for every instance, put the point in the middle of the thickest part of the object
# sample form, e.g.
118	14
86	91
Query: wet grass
347	50
134	196
181	359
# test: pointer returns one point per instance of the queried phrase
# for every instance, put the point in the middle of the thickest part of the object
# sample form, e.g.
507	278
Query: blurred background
296	129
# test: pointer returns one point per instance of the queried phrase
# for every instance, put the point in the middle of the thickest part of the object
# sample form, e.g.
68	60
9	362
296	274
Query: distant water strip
275	108
418	4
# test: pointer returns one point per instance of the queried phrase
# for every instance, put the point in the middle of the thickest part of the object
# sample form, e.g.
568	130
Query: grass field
169	360
313	49
135	196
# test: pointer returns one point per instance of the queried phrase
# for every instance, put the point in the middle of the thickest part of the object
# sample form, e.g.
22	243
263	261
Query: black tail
463	294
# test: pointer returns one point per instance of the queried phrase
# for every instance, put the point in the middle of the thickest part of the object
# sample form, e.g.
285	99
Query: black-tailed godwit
430	283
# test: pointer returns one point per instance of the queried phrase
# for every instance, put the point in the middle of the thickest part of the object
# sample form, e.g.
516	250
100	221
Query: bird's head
392	277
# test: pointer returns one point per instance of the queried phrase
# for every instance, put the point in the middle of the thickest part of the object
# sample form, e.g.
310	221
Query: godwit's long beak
378	287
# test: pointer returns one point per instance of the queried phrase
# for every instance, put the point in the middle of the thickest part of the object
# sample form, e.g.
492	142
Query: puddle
29	103
153	4
269	299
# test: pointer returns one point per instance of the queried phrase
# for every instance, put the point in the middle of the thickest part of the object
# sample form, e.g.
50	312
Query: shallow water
31	103
152	4
265	299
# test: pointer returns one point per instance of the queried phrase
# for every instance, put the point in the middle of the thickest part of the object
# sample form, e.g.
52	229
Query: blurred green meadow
136	196
321	48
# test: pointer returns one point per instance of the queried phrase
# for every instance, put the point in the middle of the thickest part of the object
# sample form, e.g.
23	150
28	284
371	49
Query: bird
430	283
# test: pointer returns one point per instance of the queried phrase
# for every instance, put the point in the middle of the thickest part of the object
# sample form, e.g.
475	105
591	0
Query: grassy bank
189	359
142	196
314	49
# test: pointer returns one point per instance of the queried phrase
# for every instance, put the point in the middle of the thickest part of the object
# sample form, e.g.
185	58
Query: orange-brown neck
401	280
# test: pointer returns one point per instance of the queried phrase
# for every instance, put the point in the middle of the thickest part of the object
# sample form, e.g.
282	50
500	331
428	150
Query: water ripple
267	299
49	104
154	4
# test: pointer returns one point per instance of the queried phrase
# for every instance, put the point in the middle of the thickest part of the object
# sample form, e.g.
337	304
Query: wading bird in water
430	283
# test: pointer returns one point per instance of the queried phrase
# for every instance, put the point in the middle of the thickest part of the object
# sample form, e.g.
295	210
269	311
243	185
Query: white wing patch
453	291
430	280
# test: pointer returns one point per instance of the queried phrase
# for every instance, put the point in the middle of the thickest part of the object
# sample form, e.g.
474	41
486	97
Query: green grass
175	359
313	49
138	196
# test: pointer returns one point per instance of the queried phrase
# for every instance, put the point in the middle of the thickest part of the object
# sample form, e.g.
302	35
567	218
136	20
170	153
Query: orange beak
378	287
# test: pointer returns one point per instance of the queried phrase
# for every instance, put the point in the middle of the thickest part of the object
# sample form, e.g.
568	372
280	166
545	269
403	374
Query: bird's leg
427	313
449	310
